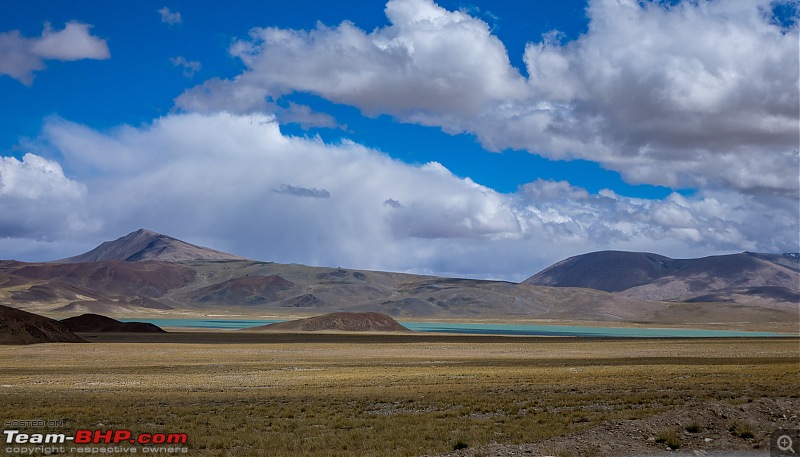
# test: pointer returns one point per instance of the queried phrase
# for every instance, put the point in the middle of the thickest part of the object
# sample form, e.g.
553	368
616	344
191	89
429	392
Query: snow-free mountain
743	277
144	245
146	273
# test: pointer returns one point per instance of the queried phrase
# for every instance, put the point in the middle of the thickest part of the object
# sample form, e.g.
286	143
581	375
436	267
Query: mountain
93	323
99	287
734	278
21	327
143	245
747	291
338	322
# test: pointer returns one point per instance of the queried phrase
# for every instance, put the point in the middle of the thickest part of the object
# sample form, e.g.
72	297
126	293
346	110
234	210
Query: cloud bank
692	94
20	56
236	183
695	94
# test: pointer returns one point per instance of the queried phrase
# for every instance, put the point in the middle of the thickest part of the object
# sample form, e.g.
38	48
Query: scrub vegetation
296	398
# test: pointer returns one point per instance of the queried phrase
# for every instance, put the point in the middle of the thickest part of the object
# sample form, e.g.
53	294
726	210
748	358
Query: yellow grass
376	398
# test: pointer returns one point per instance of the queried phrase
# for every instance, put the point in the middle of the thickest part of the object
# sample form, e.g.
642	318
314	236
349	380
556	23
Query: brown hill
22	327
341	322
650	276
143	245
151	279
249	290
102	287
743	290
95	323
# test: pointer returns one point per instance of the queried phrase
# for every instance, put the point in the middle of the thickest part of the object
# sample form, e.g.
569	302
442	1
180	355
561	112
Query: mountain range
146	273
742	278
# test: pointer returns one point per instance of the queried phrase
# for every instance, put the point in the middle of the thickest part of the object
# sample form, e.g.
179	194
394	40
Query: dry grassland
296	398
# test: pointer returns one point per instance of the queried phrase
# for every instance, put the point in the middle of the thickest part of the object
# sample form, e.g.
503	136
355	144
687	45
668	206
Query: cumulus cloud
38	201
690	94
430	61
170	17
236	183
687	94
190	67
20	56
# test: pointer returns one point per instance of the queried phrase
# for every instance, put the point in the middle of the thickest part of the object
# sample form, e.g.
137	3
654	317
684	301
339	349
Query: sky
480	139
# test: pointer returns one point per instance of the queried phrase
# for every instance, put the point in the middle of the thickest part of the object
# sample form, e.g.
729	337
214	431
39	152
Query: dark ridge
95	323
22	327
611	271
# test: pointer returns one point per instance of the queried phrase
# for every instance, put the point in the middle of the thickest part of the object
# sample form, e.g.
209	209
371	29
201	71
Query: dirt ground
628	438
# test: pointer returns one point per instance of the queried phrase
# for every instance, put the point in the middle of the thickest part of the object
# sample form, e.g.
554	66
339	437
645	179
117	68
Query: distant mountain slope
655	277
342	322
22	327
143	245
743	290
249	290
100	287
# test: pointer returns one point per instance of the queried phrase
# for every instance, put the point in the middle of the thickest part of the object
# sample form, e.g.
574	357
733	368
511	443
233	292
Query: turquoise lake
489	329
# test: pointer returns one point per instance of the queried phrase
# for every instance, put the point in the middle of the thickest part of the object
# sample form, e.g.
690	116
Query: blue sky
481	139
146	81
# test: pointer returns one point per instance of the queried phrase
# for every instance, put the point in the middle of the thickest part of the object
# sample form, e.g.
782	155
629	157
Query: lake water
489	329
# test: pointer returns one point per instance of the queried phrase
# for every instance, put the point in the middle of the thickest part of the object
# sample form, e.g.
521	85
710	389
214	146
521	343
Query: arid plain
335	395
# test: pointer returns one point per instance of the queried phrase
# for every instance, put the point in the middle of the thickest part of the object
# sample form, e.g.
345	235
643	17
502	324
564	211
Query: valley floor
381	395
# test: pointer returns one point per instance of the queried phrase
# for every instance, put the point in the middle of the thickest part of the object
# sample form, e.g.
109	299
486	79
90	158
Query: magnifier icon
784	443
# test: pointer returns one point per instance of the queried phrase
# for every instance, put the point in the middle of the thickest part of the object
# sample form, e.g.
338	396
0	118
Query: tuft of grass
693	427
670	438
741	429
460	444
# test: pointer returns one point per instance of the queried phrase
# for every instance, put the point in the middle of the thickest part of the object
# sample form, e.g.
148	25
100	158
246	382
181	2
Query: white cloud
38	202
695	94
190	67
233	181
428	62
170	17
20	56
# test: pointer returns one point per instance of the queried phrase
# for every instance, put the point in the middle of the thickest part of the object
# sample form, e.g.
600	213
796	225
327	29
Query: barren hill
143	245
22	327
342	322
249	290
724	278
106	286
755	291
91	323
